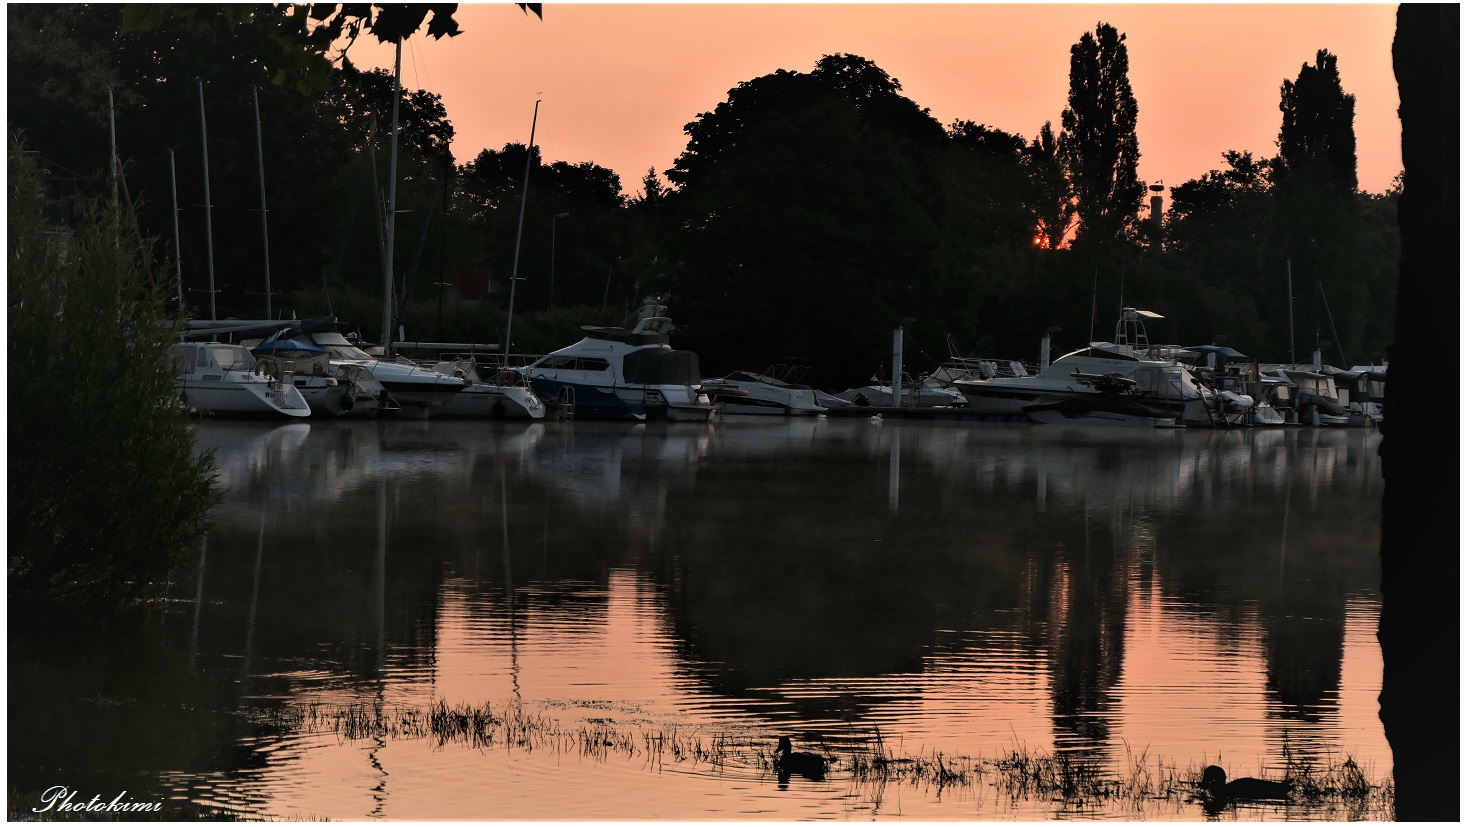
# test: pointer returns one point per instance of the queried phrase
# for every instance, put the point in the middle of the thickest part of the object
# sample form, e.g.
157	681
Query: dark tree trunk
1419	635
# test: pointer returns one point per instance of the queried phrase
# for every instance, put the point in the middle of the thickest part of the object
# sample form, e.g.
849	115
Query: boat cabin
209	358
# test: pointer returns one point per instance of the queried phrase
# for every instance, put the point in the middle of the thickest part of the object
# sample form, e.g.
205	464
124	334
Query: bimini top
625	336
650	330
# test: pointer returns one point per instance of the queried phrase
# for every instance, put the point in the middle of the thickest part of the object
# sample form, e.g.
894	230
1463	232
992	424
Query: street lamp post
553	219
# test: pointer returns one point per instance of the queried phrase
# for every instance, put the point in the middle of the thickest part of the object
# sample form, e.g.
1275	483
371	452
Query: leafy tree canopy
1318	122
314	36
1099	145
869	89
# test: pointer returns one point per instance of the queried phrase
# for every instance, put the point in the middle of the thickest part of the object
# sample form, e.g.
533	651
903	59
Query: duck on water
1220	792
787	762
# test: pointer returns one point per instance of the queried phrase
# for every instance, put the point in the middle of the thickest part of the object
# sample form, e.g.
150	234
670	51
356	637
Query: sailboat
419	390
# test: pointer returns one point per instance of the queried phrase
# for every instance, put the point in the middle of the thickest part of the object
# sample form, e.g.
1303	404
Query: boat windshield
348	352
232	357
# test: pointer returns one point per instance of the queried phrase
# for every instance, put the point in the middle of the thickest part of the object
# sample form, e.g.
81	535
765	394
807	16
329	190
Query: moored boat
914	394
332	390
1161	380
775	392
1116	404
624	373
225	379
506	396
418	391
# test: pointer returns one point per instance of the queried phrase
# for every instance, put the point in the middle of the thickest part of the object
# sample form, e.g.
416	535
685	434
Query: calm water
1172	598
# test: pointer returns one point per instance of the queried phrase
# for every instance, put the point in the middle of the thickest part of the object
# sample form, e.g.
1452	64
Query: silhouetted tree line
810	213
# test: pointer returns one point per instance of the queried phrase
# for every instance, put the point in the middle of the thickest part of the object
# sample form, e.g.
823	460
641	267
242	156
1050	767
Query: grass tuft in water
1078	782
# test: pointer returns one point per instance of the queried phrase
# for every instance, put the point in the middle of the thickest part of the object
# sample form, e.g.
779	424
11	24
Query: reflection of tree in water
1087	621
1279	551
798	570
1304	619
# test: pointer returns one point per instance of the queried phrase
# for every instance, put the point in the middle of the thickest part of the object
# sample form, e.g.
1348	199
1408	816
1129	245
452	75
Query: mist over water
1173	597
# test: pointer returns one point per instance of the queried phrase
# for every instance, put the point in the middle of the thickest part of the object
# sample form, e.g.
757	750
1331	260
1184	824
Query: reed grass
1076	781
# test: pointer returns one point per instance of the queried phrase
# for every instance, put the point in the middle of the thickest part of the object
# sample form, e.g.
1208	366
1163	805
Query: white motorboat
624	373
775	392
1115	405
1160	379
507	396
417	390
332	390
225	379
924	394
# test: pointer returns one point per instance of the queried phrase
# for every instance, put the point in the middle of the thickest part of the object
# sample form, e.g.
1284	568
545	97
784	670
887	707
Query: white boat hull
760	398
485	401
243	398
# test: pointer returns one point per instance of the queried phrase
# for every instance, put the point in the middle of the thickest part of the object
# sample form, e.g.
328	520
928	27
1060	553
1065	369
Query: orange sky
619	82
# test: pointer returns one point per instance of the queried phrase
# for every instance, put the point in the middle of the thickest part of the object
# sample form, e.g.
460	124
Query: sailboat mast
391	208
514	270
112	161
177	244
208	204
1094	286
264	219
1289	273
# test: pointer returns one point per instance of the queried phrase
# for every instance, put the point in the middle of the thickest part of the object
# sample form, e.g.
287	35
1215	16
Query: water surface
1156	598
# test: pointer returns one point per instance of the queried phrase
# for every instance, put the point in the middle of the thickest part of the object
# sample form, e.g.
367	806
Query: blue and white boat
622	373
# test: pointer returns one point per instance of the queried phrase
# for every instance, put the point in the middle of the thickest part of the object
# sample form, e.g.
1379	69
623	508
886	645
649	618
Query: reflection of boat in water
245	453
775	392
225	379
621	373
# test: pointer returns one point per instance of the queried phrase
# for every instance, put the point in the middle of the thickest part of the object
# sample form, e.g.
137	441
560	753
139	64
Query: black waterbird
1221	791
787	762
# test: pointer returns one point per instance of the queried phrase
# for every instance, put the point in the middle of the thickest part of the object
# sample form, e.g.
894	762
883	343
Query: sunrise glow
619	81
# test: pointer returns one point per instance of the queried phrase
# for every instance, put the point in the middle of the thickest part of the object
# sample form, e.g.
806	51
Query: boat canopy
1221	350
624	335
288	348
661	367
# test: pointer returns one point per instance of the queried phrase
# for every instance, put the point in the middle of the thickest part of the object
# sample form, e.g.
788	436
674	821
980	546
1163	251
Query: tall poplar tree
1319	122
1098	145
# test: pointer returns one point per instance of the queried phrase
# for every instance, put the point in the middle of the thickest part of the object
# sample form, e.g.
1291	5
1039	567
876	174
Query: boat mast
519	233
208	204
177	247
1289	274
264	219
391	209
1094	285
112	160
1332	329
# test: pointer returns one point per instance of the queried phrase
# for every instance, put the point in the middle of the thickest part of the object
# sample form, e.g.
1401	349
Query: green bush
106	493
